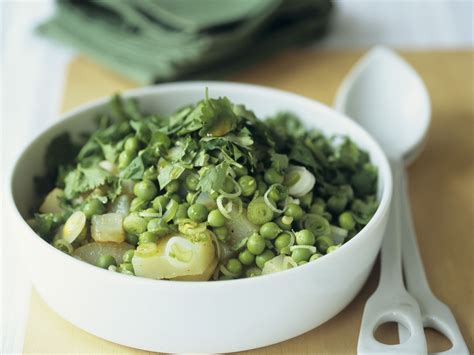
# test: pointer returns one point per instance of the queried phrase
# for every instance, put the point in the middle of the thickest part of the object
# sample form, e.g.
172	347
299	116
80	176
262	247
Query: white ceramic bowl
177	316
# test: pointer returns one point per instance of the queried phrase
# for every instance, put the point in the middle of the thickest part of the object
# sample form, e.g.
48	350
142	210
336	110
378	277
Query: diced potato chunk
107	228
91	252
51	202
177	256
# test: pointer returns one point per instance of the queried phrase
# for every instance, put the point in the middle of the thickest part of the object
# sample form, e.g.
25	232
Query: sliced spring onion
146	250
287	249
189	227
304	184
217	245
236	193
311	248
226	272
121	205
108	166
338	234
171	209
269	203
74	226
63	245
205	199
233	205
179	250
146	214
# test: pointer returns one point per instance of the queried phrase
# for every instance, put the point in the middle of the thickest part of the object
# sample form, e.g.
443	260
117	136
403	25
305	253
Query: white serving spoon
387	97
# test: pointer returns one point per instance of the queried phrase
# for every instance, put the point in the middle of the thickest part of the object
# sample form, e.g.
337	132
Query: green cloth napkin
151	41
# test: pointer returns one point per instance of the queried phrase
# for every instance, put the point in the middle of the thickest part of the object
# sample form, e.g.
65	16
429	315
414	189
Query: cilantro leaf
302	154
134	170
213	177
218	117
169	173
83	179
279	161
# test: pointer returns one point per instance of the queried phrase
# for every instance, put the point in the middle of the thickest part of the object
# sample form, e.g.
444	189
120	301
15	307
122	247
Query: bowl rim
384	169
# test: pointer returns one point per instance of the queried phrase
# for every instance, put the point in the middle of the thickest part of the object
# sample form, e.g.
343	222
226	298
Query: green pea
323	243
148	214
256	244
134	224
318	207
258	212
128	256
150	173
126	268
306	200
282	241
145	190
261	259
272	176
160	139
172	187
346	221
337	203
182	212
240	171
192	182
248	185
229	186
105	261
216	219
315	256
274	195
295	211
174	196
234	266
158	226
131	145
253	272
131	239
160	202
317	224
302	262
246	257
93	207
332	248
221	233
147	237
124	159
197	212
261	187
138	204
300	254
305	237
269	230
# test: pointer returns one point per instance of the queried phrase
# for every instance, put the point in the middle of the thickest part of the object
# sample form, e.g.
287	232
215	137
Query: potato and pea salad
207	193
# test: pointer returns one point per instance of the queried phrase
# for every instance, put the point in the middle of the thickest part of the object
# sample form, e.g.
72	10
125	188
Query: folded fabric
161	40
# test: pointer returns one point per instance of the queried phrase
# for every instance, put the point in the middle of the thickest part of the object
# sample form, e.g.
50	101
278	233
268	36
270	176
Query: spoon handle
391	302
435	314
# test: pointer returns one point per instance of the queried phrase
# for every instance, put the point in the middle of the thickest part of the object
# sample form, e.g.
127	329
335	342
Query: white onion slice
304	184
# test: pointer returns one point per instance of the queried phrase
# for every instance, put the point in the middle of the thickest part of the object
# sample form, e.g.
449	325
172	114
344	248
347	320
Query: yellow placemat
441	192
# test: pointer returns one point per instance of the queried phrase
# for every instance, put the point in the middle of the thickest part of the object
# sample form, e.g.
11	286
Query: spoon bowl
387	97
373	87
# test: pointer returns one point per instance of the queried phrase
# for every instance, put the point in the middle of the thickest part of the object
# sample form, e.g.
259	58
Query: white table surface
33	73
